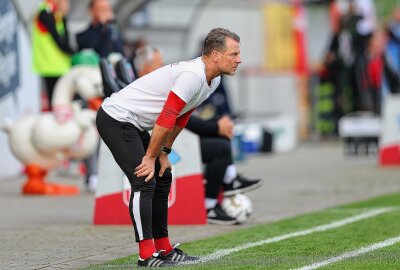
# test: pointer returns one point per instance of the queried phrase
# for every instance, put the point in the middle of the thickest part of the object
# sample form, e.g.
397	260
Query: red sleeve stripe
183	119
169	114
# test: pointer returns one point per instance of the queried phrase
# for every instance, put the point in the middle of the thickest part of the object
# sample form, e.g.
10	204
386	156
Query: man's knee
165	179
167	176
164	184
139	184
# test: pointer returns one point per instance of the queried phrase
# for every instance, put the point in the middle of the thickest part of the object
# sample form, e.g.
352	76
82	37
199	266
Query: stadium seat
110	80
124	71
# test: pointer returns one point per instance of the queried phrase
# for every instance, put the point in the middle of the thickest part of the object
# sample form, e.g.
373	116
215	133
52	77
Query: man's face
63	6
102	11
229	60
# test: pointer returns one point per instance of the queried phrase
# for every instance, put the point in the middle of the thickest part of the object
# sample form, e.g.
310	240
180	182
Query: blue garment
392	57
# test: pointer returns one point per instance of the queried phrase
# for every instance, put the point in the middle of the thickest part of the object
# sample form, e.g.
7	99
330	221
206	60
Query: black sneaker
177	255
240	185
157	260
217	215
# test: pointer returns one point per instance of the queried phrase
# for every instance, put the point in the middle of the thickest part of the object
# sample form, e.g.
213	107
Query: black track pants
148	204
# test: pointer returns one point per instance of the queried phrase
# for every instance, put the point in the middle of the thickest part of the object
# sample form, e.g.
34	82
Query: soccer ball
238	206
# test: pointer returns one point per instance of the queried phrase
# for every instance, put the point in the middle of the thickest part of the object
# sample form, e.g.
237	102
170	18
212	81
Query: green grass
303	250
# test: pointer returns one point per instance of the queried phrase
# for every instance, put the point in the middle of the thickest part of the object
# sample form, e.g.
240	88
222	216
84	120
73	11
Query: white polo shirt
142	101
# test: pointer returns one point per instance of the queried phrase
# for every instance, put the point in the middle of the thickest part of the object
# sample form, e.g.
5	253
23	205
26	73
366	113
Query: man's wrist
166	150
151	156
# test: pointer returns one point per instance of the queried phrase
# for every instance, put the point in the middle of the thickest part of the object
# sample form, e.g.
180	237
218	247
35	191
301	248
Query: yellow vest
48	59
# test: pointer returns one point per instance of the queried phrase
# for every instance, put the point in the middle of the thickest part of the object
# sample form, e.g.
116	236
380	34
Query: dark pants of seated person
216	153
50	83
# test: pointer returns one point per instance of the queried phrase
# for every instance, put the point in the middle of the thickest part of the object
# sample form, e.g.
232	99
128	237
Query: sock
210	203
163	243
146	248
230	174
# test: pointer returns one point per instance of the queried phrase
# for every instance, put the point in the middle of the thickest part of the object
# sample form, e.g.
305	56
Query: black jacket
103	38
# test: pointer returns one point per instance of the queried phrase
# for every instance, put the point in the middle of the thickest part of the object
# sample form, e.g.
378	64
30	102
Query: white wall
247	23
26	101
27	8
318	33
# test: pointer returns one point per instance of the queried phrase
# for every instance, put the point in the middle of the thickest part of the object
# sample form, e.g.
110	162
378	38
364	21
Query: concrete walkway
56	233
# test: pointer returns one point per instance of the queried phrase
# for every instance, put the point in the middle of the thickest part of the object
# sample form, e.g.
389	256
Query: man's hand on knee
146	168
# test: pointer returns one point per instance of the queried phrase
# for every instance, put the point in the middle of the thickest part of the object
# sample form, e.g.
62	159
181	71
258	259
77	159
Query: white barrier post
186	200
389	142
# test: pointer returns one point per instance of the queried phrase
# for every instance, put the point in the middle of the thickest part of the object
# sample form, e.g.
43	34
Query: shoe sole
243	190
220	222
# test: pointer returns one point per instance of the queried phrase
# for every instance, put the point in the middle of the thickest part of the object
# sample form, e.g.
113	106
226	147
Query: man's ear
215	56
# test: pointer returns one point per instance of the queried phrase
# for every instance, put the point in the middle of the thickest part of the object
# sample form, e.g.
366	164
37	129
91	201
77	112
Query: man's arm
158	139
172	136
48	21
162	136
202	127
179	125
146	168
168	123
222	127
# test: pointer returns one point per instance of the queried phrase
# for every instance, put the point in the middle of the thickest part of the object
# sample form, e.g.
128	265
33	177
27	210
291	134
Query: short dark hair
216	40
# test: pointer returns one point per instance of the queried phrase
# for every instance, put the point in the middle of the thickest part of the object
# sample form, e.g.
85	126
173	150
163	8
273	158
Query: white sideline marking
354	253
335	224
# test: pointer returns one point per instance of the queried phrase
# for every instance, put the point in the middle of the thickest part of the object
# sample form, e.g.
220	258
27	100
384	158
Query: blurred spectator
51	48
102	35
375	68
147	60
130	49
360	25
215	146
392	54
393	30
345	82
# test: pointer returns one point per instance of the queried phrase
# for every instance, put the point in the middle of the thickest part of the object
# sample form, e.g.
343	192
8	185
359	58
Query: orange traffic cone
36	185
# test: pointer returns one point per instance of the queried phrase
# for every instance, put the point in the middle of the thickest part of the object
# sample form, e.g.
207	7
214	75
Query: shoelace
179	251
160	255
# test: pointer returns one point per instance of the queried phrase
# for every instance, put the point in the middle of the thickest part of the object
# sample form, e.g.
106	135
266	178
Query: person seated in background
51	49
215	146
130	48
102	35
147	59
220	171
391	73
